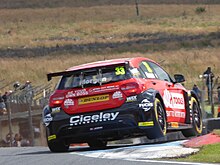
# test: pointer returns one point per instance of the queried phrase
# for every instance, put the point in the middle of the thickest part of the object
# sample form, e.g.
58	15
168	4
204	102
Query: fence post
211	95
8	107
29	101
137	8
203	97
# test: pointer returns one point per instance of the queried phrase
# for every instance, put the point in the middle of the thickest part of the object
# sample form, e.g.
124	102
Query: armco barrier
211	124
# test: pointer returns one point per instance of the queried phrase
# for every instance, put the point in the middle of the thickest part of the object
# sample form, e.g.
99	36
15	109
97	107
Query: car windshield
94	77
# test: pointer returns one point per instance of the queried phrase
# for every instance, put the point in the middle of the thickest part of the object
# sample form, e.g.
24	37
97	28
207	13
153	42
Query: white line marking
172	162
146	153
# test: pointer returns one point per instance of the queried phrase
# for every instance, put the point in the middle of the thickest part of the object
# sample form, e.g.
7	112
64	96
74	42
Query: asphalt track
144	154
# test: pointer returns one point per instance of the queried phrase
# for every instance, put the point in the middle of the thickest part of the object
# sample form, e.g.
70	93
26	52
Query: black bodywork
128	122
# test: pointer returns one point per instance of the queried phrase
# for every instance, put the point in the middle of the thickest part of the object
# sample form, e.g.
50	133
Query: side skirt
178	126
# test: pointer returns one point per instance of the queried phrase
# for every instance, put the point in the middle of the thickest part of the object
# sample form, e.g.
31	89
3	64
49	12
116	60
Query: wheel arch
46	110
152	94
193	94
196	126
162	102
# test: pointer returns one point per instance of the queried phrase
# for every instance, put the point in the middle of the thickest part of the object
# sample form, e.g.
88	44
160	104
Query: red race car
115	99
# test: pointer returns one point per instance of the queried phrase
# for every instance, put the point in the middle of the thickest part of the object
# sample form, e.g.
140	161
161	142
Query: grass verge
208	154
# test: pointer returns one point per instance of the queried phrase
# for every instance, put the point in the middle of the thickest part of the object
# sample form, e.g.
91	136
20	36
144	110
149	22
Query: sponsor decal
76	93
148	67
104	88
146	105
117	95
176	114
149	93
146	124
89	81
70	94
93	99
51	137
150	75
86	119
82	92
47	119
174	124
131	99
120	70
55	110
95	128
68	102
135	72
104	79
173	100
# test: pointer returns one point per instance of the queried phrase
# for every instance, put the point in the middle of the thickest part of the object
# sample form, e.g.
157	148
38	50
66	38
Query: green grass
209	154
217	132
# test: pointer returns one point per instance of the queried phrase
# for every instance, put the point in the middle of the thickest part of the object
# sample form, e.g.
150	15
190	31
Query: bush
200	10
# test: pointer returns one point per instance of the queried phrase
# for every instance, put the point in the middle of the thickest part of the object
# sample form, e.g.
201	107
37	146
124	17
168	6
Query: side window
146	70
161	74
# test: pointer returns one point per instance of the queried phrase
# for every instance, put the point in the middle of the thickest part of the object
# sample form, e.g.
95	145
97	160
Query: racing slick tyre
160	119
97	144
196	120
57	145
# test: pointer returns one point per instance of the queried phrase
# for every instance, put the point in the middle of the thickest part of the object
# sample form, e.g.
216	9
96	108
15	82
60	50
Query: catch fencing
24	106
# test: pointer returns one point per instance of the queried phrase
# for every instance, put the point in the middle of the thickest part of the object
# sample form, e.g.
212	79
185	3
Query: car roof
106	63
133	62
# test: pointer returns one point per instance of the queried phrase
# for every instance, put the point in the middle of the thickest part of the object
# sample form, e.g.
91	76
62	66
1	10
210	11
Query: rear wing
56	74
66	73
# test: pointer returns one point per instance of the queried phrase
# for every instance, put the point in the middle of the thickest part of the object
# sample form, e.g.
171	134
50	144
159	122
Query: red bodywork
108	96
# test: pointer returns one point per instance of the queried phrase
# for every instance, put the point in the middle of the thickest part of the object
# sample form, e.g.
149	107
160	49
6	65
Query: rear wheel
97	144
57	145
196	120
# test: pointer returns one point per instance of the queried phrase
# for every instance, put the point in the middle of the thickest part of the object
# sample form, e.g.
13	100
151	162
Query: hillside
88	3
36	41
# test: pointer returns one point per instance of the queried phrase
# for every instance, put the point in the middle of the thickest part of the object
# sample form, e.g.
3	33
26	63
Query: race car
116	99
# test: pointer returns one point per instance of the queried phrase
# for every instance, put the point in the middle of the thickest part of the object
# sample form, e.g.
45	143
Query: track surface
120	155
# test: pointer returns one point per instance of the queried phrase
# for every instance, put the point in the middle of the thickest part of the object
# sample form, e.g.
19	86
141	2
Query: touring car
115	99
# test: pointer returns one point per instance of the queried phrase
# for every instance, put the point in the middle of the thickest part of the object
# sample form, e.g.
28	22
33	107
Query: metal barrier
210	97
24	107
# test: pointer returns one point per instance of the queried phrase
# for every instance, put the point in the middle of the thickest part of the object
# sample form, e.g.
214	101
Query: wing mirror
179	78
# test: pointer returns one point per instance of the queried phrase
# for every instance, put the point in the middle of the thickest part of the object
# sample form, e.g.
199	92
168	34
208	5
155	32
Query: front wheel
196	120
159	120
160	115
